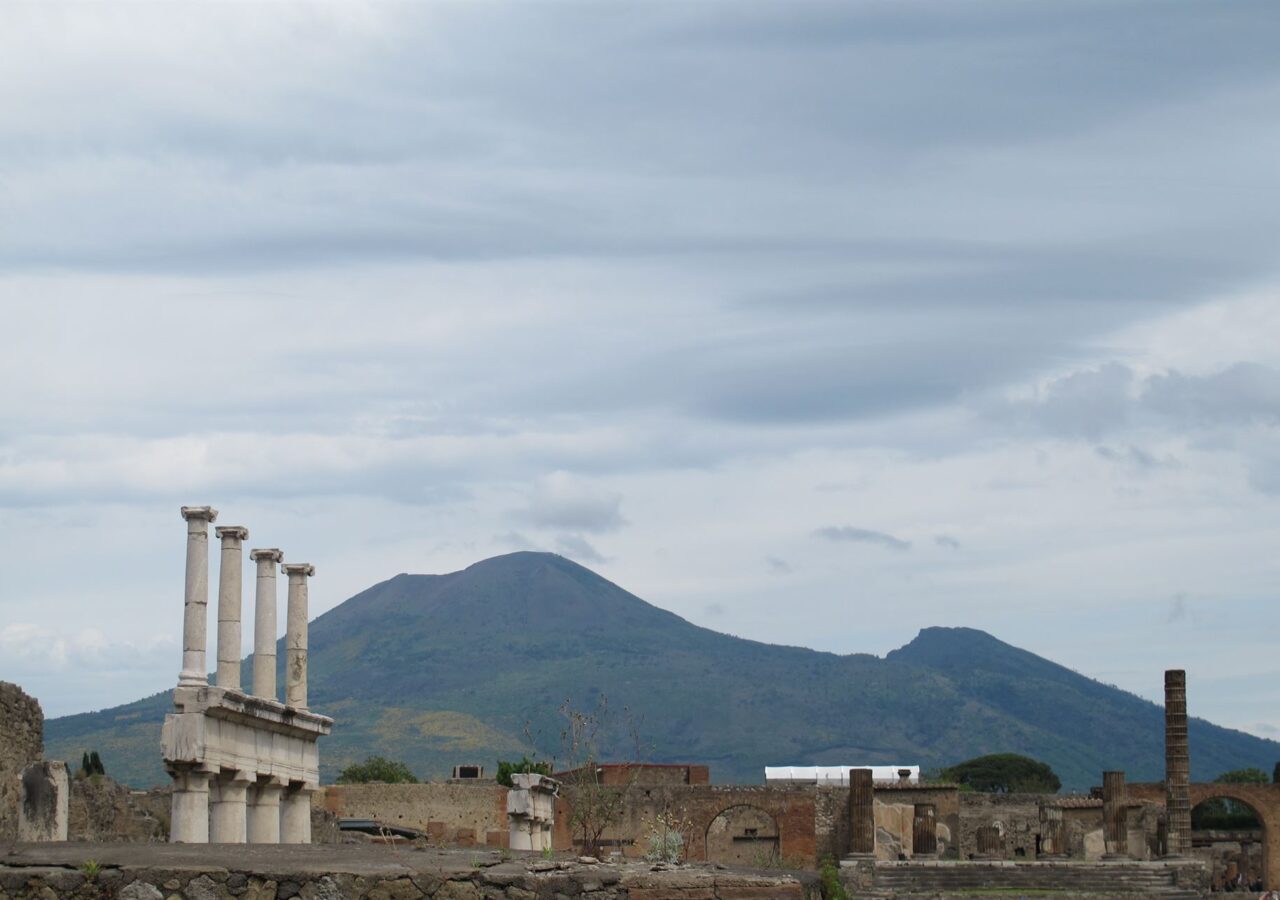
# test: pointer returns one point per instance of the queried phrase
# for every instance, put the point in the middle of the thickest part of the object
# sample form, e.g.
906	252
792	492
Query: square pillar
228	808
189	814
264	813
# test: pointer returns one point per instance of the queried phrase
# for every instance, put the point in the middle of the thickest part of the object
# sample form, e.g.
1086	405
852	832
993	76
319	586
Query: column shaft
264	624
189	811
924	837
295	642
862	815
295	816
230	579
264	814
1115	811
228	808
1177	763
195	611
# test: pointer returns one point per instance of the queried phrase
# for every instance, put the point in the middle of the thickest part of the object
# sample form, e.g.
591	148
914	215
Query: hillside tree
1004	773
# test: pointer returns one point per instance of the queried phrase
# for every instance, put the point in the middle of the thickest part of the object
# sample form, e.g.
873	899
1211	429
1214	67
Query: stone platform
331	872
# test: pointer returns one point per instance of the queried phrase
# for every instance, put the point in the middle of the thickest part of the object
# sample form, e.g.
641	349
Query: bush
377	769
832	889
506	769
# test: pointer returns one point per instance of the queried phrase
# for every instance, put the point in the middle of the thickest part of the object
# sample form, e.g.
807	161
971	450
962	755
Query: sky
813	323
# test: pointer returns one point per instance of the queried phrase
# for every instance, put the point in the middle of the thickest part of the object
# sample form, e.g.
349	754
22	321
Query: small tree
1004	773
379	769
95	764
1275	774
594	806
507	768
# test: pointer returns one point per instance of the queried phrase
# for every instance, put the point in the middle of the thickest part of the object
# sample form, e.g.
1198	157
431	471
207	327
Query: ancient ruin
531	811
244	766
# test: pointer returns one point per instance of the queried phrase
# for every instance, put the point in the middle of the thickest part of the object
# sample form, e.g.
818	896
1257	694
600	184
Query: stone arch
743	835
1263	799
1232	870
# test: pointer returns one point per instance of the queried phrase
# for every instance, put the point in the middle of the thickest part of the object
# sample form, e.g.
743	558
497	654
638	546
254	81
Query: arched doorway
743	836
1229	834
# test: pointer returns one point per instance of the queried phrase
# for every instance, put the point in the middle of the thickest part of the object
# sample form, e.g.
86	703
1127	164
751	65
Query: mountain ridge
472	665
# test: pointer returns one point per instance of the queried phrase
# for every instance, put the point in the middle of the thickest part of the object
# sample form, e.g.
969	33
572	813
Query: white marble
230	580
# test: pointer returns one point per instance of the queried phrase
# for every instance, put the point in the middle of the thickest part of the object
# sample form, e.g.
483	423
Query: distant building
837	774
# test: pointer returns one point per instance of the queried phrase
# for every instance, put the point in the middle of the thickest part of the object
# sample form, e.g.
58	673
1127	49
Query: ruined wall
895	811
21	744
101	809
1015	816
455	814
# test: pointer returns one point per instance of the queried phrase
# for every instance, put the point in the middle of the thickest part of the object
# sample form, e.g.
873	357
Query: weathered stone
259	889
397	889
323	889
458	890
203	888
287	889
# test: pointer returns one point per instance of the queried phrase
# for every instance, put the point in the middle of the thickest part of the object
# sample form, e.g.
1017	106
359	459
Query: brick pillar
862	813
924	834
1053	834
1177	763
1115	813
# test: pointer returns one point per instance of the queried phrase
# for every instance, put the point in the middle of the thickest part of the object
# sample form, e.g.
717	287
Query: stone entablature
531	811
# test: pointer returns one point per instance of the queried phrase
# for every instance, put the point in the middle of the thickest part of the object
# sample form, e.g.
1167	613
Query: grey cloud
577	547
861	535
778	566
946	540
1242	393
561	500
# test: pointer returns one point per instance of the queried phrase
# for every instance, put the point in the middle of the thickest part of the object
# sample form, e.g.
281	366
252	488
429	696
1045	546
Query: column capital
273	554
298	569
203	513
236	532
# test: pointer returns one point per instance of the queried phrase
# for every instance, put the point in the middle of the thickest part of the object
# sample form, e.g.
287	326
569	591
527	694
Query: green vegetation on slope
438	670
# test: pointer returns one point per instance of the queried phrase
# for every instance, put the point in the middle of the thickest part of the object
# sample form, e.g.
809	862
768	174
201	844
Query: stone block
45	794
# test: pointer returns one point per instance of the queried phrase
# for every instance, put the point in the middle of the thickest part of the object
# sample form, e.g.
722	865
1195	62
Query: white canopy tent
836	774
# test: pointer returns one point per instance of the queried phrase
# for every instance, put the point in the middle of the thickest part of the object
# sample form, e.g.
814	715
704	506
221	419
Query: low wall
178	872
451	814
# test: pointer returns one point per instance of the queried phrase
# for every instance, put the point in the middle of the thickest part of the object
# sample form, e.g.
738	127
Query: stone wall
452	814
21	744
1015	816
101	809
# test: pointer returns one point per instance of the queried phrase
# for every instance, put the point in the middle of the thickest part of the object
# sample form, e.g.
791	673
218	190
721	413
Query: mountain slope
474	665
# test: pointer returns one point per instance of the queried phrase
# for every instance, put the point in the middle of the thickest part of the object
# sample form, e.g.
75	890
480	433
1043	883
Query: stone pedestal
295	815
43	801
189	819
531	811
862	815
230	578
1115	816
1177	763
263	820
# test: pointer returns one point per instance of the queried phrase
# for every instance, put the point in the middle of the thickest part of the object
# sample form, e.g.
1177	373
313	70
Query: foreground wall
21	744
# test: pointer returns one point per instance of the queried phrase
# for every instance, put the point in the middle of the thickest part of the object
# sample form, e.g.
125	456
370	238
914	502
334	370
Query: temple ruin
244	765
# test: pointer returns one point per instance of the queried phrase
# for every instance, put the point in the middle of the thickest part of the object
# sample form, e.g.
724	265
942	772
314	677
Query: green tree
95	764
1275	774
1004	773
1242	776
377	768
506	769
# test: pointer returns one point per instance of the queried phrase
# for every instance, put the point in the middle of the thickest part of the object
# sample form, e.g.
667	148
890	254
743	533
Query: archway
1229	833
743	835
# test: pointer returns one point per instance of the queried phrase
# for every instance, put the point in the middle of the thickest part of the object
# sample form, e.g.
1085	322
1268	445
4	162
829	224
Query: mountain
475	665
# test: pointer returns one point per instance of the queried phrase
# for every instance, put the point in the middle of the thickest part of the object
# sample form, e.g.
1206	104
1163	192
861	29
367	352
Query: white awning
836	774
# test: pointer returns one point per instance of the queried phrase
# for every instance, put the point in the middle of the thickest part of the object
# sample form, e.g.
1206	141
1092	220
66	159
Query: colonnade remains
243	765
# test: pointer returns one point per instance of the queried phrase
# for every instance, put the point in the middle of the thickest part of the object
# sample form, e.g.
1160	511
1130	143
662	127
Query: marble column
195	613
264	625
1177	763
230	578
264	813
295	638
1115	812
228	808
189	818
924	837
295	815
862	815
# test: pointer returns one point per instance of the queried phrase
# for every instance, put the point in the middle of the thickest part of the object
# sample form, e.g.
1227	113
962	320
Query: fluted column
862	815
295	641
264	813
264	627
1177	763
1053	840
924	835
230	581
195	613
1115	812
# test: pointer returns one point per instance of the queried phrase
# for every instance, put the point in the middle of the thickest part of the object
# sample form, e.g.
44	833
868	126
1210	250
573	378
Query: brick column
195	609
1177	763
230	578
862	813
924	833
1115	816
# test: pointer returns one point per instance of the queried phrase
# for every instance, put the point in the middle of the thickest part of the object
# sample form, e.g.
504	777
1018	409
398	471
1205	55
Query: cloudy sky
813	323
